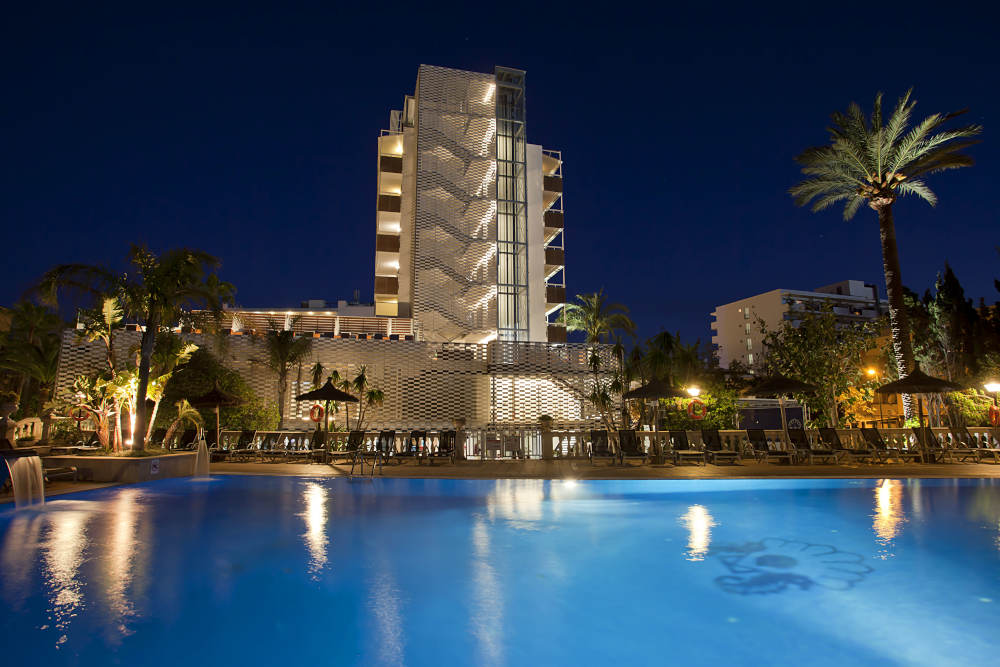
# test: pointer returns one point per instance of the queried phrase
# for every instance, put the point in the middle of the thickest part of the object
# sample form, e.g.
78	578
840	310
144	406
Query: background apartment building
735	329
469	220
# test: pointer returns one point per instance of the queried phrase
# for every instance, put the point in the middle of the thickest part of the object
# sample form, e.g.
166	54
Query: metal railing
525	441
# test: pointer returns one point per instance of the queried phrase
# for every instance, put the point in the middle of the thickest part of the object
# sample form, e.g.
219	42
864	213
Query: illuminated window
750	358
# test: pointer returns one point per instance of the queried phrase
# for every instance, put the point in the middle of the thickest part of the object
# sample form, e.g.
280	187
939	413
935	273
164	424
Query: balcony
552	184
390	164
386	285
555	257
555	294
556	333
389	203
386	243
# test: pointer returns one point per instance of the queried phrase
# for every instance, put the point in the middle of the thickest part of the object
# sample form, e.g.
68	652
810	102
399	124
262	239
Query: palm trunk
152	420
117	438
145	356
282	388
899	322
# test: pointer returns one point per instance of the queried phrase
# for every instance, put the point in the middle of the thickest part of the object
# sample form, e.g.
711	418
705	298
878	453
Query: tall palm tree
284	351
596	318
868	162
155	295
600	321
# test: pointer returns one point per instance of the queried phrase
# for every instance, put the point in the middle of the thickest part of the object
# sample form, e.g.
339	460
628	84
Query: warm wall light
871	371
992	386
693	391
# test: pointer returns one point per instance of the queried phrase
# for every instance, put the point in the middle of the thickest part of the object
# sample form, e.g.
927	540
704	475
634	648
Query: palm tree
156	295
284	350
868	162
38	361
185	413
600	321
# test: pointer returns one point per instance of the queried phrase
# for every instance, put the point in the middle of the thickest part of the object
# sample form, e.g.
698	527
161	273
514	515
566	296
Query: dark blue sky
250	132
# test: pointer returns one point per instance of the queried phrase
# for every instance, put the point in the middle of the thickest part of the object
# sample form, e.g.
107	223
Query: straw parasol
654	389
327	393
918	382
779	386
215	399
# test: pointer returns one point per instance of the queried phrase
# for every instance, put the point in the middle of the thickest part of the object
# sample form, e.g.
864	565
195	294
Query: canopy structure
918	382
327	393
780	386
215	399
654	389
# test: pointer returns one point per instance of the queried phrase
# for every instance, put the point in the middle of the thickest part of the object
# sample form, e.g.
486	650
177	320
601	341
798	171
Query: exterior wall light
693	391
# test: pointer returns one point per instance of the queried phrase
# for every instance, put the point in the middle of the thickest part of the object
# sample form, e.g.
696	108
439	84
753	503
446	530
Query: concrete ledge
125	469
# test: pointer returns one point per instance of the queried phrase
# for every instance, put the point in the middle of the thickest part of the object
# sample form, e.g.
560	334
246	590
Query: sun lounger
600	447
715	451
244	446
446	447
188	439
804	449
414	447
763	449
156	437
681	450
874	439
829	437
630	448
936	450
982	447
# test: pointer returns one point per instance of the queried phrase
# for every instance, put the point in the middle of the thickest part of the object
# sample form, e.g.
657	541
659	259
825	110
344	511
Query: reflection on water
124	560
888	517
386	607
699	523
18	556
62	555
519	502
315	515
488	619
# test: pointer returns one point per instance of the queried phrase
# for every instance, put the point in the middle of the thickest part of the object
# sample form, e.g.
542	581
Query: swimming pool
241	570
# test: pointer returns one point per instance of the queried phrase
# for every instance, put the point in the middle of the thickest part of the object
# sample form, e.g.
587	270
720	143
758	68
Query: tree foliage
821	351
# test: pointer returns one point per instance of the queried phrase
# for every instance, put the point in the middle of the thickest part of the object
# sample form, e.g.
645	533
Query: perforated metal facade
426	384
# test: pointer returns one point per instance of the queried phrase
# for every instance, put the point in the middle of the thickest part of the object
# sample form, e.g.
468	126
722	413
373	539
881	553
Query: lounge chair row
829	449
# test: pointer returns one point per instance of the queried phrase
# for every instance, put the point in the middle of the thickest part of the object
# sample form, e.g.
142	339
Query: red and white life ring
995	415
316	413
78	414
697	409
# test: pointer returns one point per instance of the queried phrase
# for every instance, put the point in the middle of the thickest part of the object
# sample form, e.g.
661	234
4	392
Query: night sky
250	133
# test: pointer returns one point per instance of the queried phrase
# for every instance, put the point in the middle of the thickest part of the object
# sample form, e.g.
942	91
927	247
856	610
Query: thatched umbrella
779	386
327	393
215	399
655	389
918	382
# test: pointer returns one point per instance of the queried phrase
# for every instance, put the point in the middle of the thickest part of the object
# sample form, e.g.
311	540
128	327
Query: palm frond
918	188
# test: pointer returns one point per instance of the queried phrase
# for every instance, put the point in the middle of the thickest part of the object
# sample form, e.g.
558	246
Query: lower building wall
426	385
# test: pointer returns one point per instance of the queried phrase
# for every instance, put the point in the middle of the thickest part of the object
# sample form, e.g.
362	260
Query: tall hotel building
468	320
469	222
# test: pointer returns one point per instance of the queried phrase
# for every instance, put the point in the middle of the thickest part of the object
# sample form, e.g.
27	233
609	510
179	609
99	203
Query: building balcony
390	164
386	285
556	333
389	203
552	184
555	294
386	243
555	257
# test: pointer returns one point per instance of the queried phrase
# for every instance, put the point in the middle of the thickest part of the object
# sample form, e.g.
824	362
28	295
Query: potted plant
545	426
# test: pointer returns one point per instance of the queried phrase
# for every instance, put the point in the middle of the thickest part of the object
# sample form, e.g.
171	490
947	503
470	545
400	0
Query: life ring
697	409
995	415
78	414
316	413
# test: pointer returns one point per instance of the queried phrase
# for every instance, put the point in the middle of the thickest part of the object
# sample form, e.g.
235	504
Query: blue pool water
241	570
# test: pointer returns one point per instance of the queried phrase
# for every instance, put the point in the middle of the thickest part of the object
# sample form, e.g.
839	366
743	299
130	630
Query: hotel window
749	343
748	328
750	358
746	313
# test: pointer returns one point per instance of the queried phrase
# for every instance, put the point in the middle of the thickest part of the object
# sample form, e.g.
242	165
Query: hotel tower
469	220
